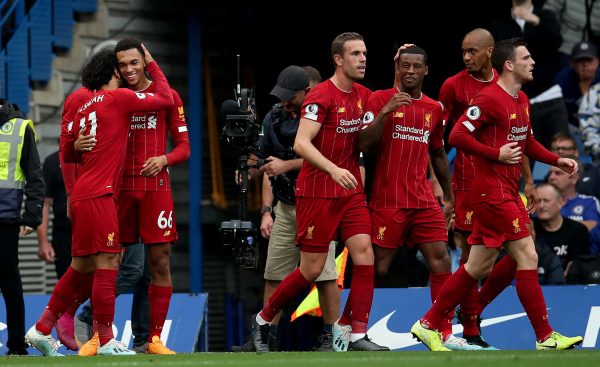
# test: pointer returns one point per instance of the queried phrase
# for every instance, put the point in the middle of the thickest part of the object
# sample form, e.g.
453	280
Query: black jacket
32	168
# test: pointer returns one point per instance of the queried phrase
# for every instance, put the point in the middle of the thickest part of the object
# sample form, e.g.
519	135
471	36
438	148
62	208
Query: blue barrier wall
572	310
185	329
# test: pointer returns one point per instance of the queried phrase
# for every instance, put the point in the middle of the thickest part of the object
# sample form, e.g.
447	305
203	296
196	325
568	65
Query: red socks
468	310
160	297
360	297
68	294
436	281
289	289
532	299
103	299
454	290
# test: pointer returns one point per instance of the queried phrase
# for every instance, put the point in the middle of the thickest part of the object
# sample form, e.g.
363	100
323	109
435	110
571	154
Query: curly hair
99	70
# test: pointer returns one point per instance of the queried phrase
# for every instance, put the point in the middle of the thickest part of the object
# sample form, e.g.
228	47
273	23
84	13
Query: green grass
576	358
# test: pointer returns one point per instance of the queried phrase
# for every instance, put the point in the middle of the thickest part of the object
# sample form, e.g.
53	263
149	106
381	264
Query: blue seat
540	171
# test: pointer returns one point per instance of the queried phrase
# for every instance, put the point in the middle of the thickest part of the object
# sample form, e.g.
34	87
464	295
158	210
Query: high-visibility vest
12	135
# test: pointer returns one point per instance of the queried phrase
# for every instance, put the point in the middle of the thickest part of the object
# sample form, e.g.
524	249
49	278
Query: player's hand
153	166
266	225
84	143
531	196
147	57
275	167
344	178
568	165
46	252
398	99
510	153
400	49
438	191
25	230
448	213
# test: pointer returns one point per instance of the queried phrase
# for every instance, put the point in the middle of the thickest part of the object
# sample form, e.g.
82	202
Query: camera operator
280	171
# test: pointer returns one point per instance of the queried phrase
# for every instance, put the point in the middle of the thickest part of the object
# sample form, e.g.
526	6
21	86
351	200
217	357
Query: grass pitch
574	358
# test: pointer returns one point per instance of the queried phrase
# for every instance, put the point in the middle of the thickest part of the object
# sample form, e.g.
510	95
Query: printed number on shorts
91	117
163	222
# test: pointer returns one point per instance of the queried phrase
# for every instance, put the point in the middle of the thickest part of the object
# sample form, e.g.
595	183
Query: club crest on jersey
140	95
7	127
368	118
381	233
309	232
428	120
359	105
578	210
473	112
516	226
311	111
109	240
469	217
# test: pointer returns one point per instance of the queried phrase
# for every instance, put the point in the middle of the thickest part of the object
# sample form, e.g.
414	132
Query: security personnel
20	173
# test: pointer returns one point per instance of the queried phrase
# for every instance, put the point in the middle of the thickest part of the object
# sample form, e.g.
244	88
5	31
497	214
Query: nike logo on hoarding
382	335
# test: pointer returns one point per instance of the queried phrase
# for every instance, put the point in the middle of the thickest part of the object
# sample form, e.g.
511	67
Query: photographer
280	171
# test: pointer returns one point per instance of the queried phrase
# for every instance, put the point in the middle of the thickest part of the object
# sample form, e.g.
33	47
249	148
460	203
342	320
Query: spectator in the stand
589	121
575	80
541	30
581	208
565	237
550	270
589	177
59	251
584	270
574	25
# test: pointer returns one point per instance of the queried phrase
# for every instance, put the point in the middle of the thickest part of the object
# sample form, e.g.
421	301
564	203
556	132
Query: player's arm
303	146
179	136
372	129
447	98
266	221
536	151
69	170
529	188
462	137
441	168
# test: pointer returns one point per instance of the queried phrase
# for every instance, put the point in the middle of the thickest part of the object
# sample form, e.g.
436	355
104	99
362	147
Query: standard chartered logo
348	126
411	134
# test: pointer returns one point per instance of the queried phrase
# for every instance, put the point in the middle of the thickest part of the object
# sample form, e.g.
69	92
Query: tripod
240	234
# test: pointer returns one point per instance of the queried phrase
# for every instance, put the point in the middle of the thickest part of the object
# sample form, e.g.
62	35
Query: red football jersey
456	94
107	116
148	138
72	104
340	114
409	133
496	118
